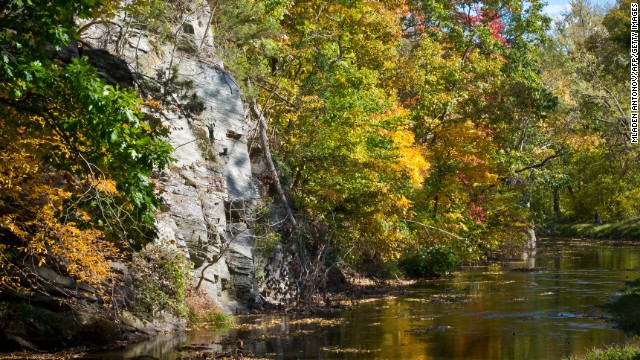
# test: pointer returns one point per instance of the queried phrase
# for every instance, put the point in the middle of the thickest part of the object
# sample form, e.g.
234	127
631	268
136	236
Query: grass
213	317
628	351
626	310
621	230
626	313
203	312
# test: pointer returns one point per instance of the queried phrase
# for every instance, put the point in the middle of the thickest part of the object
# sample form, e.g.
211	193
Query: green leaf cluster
70	144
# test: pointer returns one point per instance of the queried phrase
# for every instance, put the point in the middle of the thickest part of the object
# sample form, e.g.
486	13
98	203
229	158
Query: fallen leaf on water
316	321
335	349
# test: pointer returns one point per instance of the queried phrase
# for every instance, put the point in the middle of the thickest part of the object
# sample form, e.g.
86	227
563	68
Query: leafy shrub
161	279
428	262
626	309
202	311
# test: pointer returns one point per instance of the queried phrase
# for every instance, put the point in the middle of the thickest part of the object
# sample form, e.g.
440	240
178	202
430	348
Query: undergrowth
628	351
621	230
161	281
201	311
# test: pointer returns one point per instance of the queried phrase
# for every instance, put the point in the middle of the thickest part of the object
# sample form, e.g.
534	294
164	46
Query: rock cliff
208	193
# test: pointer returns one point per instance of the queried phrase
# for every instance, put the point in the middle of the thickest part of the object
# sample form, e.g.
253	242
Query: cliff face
209	192
209	195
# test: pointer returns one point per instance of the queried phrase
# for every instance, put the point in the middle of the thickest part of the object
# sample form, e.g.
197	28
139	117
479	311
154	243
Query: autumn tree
345	156
471	80
75	155
397	124
588	69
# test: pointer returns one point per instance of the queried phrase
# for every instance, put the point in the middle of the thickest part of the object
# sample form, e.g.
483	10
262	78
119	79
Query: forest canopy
457	125
447	127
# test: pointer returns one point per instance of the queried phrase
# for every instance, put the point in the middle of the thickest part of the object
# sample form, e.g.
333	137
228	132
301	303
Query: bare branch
86	26
434	228
543	162
267	155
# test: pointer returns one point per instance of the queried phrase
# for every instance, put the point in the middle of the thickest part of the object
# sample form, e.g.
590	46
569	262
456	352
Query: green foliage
168	88
427	262
588	70
286	175
76	183
618	24
628	351
210	317
30	28
101	133
247	35
633	287
386	112
267	239
626	309
161	279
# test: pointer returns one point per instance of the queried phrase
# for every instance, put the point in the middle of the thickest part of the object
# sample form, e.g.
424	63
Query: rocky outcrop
209	195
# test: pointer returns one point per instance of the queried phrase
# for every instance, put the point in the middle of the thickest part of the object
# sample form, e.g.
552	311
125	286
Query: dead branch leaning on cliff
267	156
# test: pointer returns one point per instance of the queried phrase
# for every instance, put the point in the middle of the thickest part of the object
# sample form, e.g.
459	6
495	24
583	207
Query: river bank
43	333
626	315
629	350
620	230
477	312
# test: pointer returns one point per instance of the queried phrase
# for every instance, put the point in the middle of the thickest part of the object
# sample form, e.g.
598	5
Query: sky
555	7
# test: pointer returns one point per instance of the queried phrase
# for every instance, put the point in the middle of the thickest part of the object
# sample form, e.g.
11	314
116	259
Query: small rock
19	342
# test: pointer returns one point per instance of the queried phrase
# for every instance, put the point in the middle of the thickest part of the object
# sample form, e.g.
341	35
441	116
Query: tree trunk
556	203
532	242
531	231
435	207
267	156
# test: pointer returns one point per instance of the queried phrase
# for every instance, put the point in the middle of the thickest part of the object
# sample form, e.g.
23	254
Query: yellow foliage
106	186
585	142
471	147
40	222
410	158
403	203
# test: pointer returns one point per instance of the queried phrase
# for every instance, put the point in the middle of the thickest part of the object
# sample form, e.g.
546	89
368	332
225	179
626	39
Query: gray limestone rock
187	43
208	193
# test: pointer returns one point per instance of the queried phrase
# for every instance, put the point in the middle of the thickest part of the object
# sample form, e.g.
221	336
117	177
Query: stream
477	313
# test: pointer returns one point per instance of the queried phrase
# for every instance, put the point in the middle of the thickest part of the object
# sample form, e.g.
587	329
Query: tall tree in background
472	81
588	69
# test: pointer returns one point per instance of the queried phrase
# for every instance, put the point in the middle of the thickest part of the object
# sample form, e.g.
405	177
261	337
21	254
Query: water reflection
477	314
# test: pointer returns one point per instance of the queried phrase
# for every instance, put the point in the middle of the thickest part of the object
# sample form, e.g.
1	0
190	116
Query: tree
386	124
588	70
471	80
75	156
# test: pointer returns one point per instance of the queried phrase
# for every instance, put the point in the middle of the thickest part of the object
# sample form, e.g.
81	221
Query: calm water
479	313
